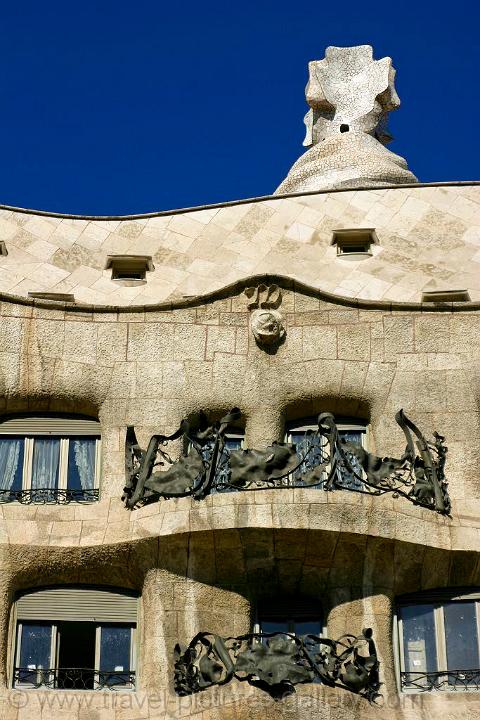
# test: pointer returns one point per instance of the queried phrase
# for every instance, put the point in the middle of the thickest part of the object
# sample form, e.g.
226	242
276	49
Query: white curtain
46	456
85	460
9	456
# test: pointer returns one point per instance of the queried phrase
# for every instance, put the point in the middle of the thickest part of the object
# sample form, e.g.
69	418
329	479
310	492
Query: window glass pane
222	476
461	635
274	626
420	655
81	463
349	480
46	458
352	436
233	442
312	447
11	463
35	646
307	627
115	643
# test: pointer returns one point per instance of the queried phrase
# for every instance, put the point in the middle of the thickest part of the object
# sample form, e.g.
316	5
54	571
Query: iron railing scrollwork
73	679
322	460
49	496
446	680
276	662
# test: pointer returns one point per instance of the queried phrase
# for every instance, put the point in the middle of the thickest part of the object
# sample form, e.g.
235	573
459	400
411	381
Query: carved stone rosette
266	322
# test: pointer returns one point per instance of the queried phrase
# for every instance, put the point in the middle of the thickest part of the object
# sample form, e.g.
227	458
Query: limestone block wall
202	564
429	239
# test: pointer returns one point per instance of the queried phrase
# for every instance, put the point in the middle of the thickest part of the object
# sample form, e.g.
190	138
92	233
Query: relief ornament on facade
266	322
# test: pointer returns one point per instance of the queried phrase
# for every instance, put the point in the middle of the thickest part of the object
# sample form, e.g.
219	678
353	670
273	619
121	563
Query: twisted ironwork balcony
276	662
322	460
48	496
446	680
74	679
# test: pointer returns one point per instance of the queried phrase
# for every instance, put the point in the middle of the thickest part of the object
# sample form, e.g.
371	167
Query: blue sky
122	107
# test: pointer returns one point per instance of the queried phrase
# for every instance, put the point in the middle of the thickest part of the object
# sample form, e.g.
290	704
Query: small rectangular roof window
442	296
354	242
59	297
130	268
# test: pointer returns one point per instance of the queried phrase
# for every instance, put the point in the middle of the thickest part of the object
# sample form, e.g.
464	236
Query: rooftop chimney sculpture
350	95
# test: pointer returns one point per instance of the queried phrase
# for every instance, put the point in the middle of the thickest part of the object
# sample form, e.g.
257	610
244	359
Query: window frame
16	624
345	424
290	611
235	434
436	598
55	652
24	427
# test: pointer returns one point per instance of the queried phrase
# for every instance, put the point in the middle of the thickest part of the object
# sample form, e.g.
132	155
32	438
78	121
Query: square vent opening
58	297
354	243
129	270
445	296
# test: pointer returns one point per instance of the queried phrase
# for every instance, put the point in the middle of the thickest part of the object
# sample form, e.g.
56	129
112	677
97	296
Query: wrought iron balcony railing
73	679
446	680
48	496
276	662
323	460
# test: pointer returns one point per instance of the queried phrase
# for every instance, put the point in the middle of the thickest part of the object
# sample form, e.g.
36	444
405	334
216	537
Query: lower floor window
75	655
75	638
439	644
287	617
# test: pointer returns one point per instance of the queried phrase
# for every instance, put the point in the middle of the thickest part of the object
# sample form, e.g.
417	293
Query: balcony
446	680
72	679
276	662
323	460
49	496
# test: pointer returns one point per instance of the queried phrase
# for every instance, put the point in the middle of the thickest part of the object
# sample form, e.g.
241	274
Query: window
233	440
59	297
295	616
75	638
445	296
438	637
300	433
131	269
49	459
354	243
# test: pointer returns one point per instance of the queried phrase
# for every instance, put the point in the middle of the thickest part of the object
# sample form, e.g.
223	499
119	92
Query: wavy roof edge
283	281
242	201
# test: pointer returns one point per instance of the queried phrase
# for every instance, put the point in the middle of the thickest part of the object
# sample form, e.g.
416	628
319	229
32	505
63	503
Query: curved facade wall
201	564
429	238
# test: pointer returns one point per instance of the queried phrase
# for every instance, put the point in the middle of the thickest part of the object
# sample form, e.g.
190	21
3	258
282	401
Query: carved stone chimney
350	95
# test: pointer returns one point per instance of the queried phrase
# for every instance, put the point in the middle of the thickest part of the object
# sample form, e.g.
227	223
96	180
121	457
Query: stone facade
428	239
350	347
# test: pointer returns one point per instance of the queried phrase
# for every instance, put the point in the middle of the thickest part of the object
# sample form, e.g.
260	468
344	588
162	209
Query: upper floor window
350	431
49	459
75	638
438	635
232	440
